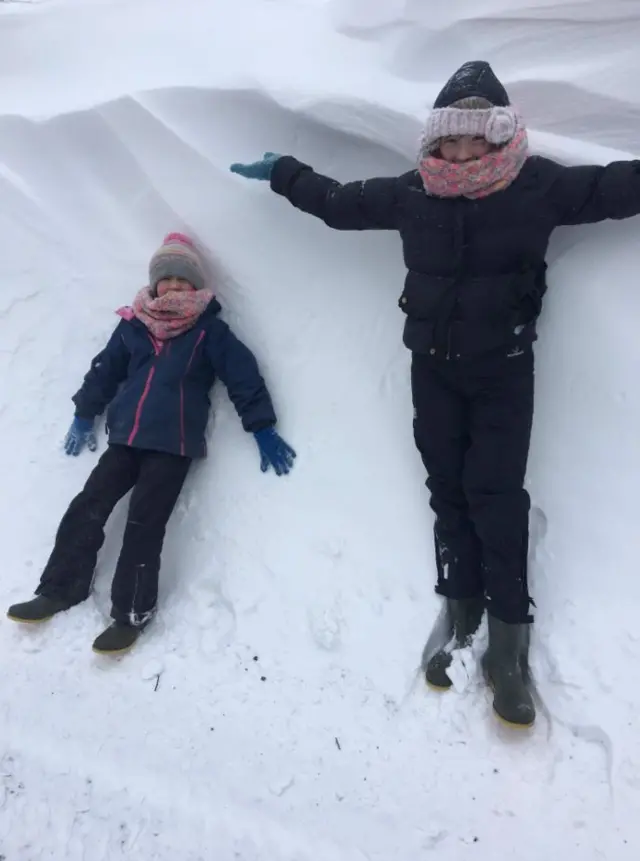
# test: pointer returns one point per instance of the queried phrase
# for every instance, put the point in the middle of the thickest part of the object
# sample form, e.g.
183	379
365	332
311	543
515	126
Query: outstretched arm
238	369
586	194
108	369
369	204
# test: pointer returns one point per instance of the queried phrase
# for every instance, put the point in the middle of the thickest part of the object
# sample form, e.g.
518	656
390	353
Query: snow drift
275	710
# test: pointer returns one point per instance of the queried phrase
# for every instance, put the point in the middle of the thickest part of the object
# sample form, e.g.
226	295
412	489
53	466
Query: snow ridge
276	709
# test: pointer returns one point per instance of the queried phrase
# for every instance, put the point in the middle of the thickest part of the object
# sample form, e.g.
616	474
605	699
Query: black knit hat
475	78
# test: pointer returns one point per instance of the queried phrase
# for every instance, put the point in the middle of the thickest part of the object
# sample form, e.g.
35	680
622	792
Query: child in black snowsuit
475	219
155	375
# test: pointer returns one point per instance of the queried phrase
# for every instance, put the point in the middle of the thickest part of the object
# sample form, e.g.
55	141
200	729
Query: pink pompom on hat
177	257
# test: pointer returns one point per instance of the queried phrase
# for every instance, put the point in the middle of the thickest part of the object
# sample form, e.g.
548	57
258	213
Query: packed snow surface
275	710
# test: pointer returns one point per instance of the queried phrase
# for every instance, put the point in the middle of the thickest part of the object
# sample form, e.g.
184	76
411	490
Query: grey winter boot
38	609
506	668
465	616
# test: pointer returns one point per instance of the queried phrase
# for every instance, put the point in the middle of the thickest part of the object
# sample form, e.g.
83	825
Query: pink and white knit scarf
480	177
172	314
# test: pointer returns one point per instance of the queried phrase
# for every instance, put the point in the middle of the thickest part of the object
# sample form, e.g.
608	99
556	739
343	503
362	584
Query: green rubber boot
465	616
38	609
506	669
116	639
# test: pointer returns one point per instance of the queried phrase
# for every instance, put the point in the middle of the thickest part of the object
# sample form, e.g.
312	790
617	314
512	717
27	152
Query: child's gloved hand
80	433
274	451
257	169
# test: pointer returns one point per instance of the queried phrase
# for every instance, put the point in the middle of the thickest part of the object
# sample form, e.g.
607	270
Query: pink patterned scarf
172	314
480	177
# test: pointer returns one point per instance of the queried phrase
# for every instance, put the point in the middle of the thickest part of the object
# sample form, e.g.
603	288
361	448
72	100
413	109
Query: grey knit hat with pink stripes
177	257
472	102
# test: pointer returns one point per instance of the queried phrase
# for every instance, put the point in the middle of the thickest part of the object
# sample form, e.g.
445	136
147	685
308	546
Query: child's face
175	285
464	148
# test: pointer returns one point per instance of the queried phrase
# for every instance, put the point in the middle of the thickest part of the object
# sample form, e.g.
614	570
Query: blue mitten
80	433
257	169
274	451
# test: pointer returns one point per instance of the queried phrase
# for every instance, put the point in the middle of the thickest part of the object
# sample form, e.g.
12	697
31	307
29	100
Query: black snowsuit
156	479
472	294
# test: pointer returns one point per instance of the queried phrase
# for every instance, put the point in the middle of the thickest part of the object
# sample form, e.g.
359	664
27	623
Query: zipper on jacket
143	397
458	250
157	349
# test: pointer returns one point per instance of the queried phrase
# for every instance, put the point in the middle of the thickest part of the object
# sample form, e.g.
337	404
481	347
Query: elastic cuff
260	426
453	595
511	618
284	172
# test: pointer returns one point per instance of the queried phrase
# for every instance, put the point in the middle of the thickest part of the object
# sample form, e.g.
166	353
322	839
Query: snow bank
275	710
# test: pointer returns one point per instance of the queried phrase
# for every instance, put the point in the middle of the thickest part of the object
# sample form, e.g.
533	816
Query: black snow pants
156	479
472	427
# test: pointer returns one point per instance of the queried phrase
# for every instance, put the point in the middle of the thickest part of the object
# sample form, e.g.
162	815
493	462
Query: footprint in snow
325	627
538	525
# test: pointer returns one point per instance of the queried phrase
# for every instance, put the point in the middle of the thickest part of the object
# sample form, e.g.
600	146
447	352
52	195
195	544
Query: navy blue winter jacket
158	392
476	268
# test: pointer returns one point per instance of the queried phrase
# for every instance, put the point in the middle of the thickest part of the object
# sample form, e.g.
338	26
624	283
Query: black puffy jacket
476	268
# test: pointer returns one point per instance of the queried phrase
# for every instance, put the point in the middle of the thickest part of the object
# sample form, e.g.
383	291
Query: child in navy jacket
154	375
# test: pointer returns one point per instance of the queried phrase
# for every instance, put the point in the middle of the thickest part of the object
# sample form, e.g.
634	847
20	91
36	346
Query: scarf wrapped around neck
478	178
172	314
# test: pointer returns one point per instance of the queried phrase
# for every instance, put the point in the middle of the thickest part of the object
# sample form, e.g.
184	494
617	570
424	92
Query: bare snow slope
275	709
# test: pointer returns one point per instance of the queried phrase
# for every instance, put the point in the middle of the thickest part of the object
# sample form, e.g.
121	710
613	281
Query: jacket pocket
423	296
528	295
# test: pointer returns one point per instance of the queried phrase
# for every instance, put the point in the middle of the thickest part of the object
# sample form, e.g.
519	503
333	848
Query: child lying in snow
155	373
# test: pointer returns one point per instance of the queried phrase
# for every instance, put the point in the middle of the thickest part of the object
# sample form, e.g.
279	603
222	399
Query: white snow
275	711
